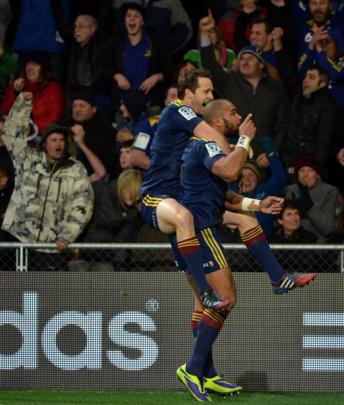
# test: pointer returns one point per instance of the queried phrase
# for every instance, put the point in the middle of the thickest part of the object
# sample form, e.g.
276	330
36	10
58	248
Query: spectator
116	214
116	217
227	20
37	26
52	199
290	231
48	95
326	50
251	184
223	55
251	90
318	15
124	155
141	60
5	158
167	18
250	11
102	11
289	228
100	136
316	199
278	60
313	120
99	171
90	63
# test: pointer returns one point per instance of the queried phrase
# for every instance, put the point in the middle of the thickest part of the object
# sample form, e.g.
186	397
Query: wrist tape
244	142
250	204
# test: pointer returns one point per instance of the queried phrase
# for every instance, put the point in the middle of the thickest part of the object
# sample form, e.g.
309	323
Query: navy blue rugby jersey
176	125
203	193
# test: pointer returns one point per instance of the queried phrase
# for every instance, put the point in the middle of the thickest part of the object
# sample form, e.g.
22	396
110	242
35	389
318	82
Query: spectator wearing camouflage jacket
52	199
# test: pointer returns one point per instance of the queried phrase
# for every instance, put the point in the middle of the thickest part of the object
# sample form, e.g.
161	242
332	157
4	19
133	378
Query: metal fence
157	257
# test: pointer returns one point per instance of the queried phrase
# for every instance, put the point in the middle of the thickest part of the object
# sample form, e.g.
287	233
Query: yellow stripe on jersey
150	201
334	65
178	102
214	247
154	119
197	138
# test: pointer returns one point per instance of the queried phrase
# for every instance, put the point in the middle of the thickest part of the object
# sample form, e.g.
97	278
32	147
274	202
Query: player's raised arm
228	168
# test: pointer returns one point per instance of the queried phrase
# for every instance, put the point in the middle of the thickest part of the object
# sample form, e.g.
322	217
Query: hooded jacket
49	202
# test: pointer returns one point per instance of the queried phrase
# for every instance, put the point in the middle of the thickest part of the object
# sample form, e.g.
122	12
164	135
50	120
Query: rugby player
161	187
205	189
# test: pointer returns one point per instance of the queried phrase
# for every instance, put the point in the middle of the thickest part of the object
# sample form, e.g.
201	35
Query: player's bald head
216	109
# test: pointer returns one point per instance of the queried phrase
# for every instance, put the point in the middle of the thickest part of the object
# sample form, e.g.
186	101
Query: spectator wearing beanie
53	199
316	200
99	135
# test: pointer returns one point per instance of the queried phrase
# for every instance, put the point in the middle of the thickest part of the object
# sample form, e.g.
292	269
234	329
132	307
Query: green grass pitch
160	397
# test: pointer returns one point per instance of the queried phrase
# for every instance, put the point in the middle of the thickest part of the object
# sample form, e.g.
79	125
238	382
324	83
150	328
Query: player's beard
229	129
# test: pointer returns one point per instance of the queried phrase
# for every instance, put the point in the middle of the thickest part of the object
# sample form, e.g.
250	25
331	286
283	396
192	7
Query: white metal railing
23	249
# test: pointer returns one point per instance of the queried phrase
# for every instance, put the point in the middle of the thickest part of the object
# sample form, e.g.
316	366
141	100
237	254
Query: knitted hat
85	94
253	50
309	161
252	165
54	128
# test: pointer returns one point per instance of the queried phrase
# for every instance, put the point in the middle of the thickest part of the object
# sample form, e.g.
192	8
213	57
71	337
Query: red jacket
48	102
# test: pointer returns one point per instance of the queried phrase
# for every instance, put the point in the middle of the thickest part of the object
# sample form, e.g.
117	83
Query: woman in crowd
48	95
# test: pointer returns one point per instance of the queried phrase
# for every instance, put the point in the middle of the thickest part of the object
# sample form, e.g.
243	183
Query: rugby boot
193	384
219	386
292	281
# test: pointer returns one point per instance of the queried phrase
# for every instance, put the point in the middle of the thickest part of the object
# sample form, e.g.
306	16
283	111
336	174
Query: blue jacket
274	185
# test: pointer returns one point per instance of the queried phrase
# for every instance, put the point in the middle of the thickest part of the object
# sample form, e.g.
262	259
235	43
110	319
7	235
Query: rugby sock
258	245
190	250
196	317
208	329
209	370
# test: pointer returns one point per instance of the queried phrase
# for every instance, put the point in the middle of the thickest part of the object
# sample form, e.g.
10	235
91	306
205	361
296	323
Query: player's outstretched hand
247	127
271	205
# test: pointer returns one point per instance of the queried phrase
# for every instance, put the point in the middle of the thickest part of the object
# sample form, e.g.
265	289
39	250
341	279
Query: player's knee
184	219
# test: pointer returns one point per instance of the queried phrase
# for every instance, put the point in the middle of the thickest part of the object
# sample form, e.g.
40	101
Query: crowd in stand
92	76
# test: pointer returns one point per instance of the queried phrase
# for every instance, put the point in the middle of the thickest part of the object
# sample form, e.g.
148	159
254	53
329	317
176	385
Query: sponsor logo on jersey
142	141
213	149
187	113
